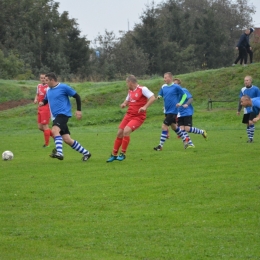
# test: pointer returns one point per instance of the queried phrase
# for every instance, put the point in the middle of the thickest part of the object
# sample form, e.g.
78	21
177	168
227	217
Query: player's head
177	81
248	81
246	101
51	79
42	78
131	82
168	77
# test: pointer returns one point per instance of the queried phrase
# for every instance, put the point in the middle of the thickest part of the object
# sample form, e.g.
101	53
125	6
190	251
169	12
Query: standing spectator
43	117
249	49
139	98
185	117
251	91
242	46
173	96
58	98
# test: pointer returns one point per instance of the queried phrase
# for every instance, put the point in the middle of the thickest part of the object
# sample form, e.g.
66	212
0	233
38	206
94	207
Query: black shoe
249	140
44	146
158	148
57	155
86	157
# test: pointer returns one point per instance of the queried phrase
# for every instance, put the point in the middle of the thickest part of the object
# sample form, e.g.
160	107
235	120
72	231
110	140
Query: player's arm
35	99
150	96
189	101
239	107
78	102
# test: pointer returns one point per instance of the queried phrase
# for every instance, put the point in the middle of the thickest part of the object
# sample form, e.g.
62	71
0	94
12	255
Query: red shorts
44	115
132	122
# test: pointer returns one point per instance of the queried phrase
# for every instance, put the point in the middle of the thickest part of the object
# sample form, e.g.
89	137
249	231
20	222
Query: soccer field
201	203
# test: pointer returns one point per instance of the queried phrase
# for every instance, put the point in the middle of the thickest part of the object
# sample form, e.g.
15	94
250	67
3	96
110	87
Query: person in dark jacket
242	47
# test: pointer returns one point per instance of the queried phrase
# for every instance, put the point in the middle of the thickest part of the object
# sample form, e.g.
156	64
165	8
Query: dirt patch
14	103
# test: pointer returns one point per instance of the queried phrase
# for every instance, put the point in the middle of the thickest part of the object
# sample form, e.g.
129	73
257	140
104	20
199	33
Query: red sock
125	143
46	134
51	133
117	145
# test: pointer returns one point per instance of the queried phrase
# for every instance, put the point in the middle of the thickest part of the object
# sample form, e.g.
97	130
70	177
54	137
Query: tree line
177	35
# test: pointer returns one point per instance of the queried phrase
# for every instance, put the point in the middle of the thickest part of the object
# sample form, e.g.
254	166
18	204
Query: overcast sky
94	16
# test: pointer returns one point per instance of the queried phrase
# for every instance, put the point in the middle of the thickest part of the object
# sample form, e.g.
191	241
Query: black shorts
61	121
185	121
247	117
170	119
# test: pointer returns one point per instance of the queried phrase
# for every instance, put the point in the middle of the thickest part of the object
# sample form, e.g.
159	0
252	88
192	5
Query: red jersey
41	92
137	98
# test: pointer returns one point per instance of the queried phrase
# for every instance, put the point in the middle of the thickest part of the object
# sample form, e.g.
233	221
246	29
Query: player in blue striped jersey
254	104
185	118
172	95
58	98
251	91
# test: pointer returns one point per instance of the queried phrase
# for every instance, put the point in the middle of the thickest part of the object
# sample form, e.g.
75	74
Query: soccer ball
7	155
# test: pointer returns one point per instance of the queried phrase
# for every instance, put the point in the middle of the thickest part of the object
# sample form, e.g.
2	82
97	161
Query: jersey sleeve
147	93
127	97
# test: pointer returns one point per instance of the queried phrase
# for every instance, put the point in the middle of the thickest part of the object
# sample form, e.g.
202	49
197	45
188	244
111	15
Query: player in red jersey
43	111
139	98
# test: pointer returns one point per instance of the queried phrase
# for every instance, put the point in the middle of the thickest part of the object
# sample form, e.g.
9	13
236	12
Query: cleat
167	137
249	140
190	146
86	157
112	158
186	144
57	155
205	135
54	150
158	148
121	157
45	145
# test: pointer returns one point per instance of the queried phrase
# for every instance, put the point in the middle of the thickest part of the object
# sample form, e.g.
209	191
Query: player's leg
196	130
74	144
245	120
59	128
132	125
119	139
169	119
251	127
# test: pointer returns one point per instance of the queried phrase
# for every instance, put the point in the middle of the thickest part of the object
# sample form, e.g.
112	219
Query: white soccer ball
7	155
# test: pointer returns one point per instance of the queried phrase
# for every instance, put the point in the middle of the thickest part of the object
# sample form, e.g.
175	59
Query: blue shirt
58	99
252	92
172	95
256	105
189	110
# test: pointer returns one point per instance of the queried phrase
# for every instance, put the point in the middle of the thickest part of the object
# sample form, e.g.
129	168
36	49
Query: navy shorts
61	121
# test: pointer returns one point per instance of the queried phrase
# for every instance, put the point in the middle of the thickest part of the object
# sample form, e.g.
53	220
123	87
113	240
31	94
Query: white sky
94	16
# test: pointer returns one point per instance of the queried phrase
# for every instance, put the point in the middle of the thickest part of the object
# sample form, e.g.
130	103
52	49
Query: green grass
174	204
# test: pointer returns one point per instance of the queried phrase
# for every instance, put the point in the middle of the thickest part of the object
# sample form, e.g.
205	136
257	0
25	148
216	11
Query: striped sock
163	138
79	148
251	131
179	133
58	143
248	132
195	130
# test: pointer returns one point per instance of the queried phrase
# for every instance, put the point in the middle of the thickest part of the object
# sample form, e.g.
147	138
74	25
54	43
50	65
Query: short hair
249	77
51	75
169	74
131	78
246	97
177	79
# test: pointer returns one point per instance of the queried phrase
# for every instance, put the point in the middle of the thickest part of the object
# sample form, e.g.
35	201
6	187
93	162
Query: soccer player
139	98
251	91
43	111
253	103
173	96
58	98
185	117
